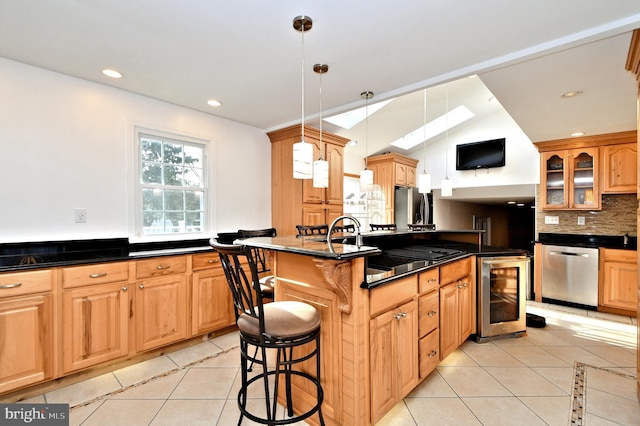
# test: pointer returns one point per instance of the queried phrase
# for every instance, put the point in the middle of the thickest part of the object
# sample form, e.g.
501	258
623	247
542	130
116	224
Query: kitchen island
380	336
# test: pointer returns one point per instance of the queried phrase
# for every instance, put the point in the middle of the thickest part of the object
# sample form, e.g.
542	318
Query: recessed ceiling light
214	103
111	73
520	204
576	134
572	94
511	202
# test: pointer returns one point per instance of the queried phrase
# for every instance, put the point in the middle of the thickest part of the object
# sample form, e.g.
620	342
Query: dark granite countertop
588	240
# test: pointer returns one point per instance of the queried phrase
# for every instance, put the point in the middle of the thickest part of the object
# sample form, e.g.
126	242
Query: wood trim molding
338	276
587	141
633	58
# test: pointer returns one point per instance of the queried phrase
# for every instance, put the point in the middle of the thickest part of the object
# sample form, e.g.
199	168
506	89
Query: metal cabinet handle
210	261
8	286
141	286
432	353
161	267
432	313
432	280
124	288
400	316
100	275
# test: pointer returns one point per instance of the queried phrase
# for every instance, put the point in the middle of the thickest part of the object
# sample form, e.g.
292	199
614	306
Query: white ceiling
247	54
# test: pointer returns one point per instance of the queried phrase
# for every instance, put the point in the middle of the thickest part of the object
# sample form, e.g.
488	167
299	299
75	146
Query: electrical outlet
581	220
80	215
552	220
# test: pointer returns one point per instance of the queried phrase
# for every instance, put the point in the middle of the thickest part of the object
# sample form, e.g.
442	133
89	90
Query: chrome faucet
356	222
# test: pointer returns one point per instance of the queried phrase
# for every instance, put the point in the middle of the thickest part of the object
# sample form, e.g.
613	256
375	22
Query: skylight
434	127
349	119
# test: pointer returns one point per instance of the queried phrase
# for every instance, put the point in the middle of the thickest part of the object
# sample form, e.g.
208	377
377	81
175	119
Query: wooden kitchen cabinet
618	282
457	301
161	302
296	201
95	309
26	329
619	168
211	303
428	322
569	179
389	171
394	357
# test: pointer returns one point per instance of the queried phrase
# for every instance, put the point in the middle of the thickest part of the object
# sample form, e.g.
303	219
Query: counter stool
266	280
383	227
277	326
304	230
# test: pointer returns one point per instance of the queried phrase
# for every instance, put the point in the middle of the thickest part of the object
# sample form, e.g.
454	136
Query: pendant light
321	166
366	175
424	179
302	151
446	187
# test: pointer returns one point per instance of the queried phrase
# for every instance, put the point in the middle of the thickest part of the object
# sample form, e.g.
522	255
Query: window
171	185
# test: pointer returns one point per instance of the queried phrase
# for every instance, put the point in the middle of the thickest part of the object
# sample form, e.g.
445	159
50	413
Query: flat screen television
480	155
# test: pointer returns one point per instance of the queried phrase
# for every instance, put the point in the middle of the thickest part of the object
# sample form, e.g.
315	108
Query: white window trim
136	234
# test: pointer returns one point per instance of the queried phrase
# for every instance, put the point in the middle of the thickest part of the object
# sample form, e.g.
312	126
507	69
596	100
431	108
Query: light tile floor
580	369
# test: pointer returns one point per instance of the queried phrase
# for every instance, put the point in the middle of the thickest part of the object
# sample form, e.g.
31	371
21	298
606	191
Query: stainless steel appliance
502	288
570	275
411	207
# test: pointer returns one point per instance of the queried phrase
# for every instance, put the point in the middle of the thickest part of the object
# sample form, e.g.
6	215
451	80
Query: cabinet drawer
454	271
391	295
429	281
99	273
618	255
428	318
160	266
429	348
205	261
15	284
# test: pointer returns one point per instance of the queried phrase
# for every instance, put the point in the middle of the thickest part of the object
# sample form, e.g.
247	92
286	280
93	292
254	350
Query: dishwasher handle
565	253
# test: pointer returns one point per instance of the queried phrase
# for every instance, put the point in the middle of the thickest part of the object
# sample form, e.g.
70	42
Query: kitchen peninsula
380	336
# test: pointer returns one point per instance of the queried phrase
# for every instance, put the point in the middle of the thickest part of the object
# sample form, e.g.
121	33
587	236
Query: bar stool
304	230
383	227
279	326
266	279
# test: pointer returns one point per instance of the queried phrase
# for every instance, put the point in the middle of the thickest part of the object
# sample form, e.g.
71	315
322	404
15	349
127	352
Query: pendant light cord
302	73
424	132
321	114
446	136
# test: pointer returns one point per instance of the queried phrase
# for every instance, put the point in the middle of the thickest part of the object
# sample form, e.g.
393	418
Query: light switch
581	220
552	220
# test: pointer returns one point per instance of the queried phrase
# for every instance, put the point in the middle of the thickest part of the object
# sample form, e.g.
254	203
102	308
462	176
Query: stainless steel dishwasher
570	274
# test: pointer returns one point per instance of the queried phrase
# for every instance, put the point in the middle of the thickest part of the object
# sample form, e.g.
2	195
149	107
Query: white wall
67	143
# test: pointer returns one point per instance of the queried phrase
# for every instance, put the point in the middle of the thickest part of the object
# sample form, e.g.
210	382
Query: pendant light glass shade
366	175
302	151
424	183
366	180
321	166
446	188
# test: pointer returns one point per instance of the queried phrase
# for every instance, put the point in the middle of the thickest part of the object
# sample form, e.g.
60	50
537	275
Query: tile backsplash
617	217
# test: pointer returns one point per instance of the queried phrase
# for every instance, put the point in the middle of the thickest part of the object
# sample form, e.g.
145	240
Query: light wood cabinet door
95	325
161	311
618	282
619	168
465	309
334	155
428	308
211	303
449	319
394	357
26	336
429	352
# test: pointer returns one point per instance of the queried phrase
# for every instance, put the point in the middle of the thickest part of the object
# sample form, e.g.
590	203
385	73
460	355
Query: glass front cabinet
569	179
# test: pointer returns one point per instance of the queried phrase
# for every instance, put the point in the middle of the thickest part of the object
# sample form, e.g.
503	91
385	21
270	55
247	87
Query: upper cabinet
296	201
575	172
389	171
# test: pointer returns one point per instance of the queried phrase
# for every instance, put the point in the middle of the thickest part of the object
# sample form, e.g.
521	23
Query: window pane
151	173
173	175
152	199
153	223
193	155
193	222
173	200
176	220
151	150
193	176
172	153
194	200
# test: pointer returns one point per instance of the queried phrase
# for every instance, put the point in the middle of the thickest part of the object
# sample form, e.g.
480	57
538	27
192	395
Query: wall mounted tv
480	155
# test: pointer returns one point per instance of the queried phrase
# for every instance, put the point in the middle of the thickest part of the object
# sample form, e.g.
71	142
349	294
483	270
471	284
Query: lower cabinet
618	292
456	312
211	302
394	357
428	327
26	335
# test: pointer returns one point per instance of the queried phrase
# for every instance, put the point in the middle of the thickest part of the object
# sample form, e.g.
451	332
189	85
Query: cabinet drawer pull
141	287
210	261
124	288
432	313
432	280
100	275
400	316
8	286
161	267
433	353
